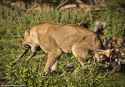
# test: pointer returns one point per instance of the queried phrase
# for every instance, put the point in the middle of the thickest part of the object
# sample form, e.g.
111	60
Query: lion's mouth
26	45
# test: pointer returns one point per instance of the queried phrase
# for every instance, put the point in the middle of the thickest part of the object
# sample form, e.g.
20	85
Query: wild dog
55	39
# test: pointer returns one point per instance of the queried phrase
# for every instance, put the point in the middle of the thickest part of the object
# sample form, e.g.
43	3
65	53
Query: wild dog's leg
80	52
52	60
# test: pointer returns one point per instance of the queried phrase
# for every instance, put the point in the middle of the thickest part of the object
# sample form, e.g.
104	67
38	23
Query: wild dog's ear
84	24
99	27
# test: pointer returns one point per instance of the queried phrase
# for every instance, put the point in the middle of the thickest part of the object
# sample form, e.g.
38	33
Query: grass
12	27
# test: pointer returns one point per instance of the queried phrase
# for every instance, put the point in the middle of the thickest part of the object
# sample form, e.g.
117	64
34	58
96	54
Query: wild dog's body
55	39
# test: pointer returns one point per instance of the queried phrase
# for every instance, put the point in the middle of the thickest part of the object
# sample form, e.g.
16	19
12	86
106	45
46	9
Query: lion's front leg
51	63
54	67
80	51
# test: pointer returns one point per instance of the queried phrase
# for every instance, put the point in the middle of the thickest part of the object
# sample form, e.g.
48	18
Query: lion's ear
27	32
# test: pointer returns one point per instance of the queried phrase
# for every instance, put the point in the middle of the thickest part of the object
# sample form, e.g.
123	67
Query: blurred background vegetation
18	15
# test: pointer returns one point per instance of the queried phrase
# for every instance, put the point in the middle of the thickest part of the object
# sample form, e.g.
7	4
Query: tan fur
55	39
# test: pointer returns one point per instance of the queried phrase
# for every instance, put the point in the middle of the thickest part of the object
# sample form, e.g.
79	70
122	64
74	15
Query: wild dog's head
99	27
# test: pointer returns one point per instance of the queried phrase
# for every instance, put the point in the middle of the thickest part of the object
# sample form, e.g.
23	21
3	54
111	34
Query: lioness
55	39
